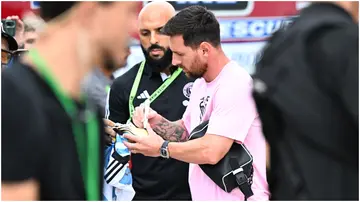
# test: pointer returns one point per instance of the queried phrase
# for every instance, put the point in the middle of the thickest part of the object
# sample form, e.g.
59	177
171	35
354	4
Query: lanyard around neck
158	91
87	144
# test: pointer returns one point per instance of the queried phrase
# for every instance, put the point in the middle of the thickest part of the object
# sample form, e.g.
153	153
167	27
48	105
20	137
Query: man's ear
205	49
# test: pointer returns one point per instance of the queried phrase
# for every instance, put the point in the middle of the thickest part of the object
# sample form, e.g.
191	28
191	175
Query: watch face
164	153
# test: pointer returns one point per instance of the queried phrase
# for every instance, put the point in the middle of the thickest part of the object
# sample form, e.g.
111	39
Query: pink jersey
228	104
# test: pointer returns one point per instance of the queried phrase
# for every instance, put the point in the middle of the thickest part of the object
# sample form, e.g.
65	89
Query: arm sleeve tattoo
171	131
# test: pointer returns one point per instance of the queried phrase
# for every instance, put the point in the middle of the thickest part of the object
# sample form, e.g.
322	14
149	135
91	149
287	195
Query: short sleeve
186	118
22	137
117	108
234	109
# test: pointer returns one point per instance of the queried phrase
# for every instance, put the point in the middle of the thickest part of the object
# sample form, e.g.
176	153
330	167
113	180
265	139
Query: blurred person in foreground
56	154
221	94
306	91
154	178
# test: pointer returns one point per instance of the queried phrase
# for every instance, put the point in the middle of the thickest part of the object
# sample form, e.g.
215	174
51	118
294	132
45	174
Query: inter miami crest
187	89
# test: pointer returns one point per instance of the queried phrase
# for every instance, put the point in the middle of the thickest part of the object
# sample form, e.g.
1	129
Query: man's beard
199	69
160	64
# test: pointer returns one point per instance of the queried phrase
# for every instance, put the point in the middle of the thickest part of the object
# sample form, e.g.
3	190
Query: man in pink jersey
221	94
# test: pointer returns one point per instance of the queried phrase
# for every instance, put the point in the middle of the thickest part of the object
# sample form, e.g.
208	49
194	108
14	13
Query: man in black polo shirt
154	178
52	138
306	88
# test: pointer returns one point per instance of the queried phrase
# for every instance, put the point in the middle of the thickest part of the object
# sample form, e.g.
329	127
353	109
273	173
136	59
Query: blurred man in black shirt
154	178
306	90
52	137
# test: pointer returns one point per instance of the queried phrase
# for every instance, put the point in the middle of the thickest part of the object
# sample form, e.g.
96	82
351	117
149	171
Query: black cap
13	45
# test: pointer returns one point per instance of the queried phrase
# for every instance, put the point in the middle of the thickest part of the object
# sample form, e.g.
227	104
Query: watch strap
164	147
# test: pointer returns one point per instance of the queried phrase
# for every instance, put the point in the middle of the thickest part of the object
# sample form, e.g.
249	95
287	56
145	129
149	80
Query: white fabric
117	177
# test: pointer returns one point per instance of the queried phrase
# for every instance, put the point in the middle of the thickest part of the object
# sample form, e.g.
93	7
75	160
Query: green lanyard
158	91
87	144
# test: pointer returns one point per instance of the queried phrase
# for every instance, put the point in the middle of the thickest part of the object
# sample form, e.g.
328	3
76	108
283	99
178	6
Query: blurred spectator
97	84
8	45
306	91
19	32
30	36
33	25
14	52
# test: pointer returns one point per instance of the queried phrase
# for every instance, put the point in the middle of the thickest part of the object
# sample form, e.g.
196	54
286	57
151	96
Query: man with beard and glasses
221	95
154	178
56	152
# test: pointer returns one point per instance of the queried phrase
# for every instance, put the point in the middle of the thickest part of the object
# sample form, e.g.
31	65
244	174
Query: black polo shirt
154	178
37	137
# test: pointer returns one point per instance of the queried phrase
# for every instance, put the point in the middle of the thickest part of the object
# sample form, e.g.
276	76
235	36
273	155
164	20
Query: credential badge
187	89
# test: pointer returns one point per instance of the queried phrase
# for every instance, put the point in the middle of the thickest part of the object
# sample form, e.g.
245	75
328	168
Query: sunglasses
19	52
6	55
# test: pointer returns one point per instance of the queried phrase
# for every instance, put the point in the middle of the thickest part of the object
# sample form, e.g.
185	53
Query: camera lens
9	24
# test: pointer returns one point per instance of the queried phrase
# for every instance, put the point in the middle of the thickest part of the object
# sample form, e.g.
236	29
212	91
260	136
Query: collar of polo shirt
149	71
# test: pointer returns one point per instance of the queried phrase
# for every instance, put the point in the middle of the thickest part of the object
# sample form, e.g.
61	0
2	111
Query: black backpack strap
241	179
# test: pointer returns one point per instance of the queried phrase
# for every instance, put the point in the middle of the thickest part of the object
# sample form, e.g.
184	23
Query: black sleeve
118	109
23	136
333	53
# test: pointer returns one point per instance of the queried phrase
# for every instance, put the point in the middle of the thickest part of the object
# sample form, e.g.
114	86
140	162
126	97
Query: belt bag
234	170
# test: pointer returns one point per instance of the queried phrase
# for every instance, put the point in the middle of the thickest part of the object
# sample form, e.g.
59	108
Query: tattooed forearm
172	131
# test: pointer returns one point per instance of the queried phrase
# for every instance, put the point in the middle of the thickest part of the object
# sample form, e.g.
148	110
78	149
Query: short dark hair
52	9
196	24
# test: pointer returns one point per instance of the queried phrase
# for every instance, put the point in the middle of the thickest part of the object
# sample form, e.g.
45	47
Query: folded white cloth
117	175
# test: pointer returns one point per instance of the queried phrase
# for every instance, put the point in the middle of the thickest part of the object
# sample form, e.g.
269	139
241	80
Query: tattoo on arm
171	131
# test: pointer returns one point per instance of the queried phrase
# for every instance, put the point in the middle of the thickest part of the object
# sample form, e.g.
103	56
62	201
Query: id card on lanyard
153	96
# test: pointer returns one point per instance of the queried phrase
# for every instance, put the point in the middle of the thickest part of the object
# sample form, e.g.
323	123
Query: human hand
20	29
139	116
148	145
108	124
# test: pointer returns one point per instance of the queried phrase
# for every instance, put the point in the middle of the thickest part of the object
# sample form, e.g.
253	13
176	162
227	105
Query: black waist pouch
234	170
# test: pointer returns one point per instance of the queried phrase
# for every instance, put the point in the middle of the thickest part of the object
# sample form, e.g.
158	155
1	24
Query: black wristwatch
164	152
